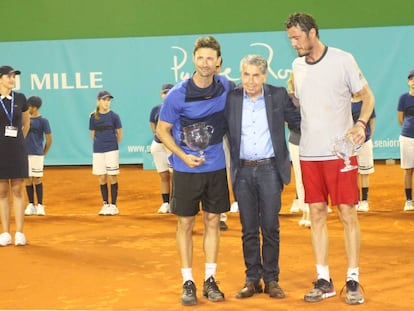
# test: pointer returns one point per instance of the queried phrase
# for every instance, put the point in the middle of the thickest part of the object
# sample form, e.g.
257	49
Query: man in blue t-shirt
199	172
39	131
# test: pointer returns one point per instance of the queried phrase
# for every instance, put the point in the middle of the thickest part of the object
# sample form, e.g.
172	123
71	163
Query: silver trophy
197	137
344	148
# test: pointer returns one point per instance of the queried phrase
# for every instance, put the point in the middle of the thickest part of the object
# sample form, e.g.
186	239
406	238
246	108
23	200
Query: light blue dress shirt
255	143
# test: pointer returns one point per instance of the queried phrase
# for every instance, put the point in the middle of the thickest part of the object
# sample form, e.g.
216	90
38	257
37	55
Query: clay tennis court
77	260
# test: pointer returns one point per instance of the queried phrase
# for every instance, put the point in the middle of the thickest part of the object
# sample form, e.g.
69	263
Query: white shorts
406	152
365	157
106	163
36	165
160	155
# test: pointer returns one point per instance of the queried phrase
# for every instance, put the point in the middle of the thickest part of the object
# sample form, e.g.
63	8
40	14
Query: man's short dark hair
302	20
207	42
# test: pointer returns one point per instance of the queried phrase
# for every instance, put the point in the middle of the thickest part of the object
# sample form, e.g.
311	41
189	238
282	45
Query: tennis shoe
223	226
19	239
104	209
189	296
409	206
30	210
112	210
40	210
363	206
304	222
234	208
322	290
211	290
353	293
164	208
5	239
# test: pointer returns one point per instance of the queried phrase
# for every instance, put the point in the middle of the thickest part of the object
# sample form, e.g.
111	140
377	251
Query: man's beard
304	52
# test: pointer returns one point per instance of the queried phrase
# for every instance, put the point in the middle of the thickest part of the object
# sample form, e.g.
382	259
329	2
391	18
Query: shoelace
188	288
320	284
212	285
354	285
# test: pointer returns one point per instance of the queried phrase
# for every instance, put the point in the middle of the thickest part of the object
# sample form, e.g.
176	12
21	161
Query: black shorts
189	189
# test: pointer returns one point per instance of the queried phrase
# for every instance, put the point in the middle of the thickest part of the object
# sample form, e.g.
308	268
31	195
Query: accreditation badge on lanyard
10	130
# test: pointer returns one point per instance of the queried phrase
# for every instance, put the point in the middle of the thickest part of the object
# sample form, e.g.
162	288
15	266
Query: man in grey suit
256	114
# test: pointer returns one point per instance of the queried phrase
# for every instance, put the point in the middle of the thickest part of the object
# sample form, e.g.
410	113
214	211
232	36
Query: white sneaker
112	210
30	210
40	210
305	223
5	239
164	208
363	206
305	220
19	239
295	207
104	210
409	206
234	208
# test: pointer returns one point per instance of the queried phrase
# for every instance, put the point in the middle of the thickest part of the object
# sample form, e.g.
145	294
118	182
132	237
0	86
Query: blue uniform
187	104
39	126
154	116
356	111
406	105
105	131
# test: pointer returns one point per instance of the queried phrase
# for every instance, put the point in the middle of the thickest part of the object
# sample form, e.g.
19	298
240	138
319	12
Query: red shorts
323	179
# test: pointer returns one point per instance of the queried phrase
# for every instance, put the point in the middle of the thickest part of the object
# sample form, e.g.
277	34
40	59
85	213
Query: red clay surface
76	259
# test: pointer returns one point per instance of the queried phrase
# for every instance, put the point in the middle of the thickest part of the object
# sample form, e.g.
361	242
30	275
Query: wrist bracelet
362	122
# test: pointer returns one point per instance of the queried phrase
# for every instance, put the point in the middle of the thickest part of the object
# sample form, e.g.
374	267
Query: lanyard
9	115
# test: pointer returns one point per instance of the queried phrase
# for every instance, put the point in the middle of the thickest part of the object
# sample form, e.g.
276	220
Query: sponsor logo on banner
181	59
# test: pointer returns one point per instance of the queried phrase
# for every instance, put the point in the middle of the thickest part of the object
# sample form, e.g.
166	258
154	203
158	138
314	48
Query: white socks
352	274
210	270
187	274
323	272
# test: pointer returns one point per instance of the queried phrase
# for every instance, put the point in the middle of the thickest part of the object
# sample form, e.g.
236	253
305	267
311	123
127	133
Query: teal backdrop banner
67	75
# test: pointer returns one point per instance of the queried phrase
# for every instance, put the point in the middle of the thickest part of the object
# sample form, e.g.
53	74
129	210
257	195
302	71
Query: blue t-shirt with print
187	104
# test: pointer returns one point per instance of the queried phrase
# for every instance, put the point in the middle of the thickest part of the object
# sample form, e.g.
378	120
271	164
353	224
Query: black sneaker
322	290
223	226
189	296
353	293
211	290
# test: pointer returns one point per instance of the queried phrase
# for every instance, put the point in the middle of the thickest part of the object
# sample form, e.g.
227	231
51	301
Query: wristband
363	123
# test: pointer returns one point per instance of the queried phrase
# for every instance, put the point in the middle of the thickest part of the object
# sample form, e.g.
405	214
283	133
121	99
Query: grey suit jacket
279	109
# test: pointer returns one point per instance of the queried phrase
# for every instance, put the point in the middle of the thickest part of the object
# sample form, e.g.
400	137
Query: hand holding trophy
344	148
197	137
